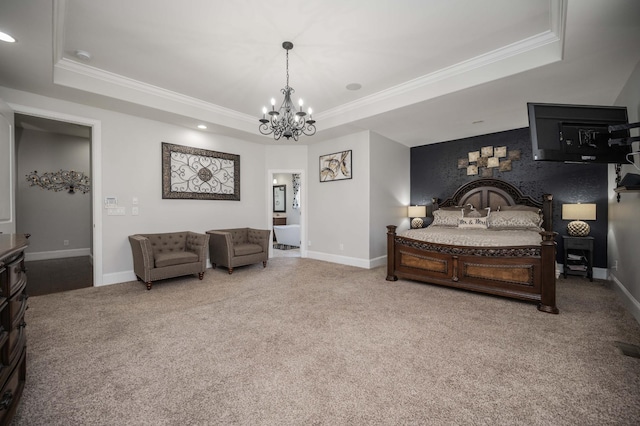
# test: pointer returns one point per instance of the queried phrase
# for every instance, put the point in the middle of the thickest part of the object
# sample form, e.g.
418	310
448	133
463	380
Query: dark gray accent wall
435	173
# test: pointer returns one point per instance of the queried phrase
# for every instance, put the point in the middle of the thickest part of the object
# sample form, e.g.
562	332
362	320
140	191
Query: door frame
96	175
303	203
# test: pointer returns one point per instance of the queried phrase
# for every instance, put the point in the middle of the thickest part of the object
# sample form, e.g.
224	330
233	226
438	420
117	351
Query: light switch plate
118	211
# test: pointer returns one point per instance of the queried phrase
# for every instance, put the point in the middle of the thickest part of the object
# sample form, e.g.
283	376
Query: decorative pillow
473	222
446	217
474	218
516	219
476	213
454	208
519	207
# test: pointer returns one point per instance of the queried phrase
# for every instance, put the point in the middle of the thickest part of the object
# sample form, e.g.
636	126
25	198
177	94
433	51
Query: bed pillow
519	207
515	219
474	218
446	217
455	208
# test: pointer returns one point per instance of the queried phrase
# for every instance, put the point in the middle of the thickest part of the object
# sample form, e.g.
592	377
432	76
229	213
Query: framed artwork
199	174
486	172
486	151
463	163
336	166
505	166
488	159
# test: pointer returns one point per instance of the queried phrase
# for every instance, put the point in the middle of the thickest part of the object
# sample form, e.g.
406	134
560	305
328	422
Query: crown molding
462	68
543	48
84	77
540	49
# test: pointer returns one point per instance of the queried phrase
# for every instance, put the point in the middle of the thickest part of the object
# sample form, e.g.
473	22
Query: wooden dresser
13	338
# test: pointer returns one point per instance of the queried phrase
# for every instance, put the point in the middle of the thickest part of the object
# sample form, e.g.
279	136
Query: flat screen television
577	133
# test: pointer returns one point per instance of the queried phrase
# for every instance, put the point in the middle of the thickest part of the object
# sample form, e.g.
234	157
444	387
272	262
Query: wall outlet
65	242
615	265
309	243
135	211
341	246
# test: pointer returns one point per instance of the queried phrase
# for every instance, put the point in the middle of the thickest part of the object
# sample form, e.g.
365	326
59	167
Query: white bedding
475	237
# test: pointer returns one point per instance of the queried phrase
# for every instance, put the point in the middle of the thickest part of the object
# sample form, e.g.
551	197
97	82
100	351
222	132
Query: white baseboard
57	254
118	277
378	261
630	302
342	260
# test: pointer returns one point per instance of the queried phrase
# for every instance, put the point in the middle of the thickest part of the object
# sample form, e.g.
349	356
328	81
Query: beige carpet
305	342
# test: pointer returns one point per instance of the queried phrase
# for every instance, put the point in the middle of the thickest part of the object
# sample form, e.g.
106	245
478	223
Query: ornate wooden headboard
487	192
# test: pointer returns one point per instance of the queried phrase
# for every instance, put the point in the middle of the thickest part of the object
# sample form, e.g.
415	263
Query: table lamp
417	213
578	213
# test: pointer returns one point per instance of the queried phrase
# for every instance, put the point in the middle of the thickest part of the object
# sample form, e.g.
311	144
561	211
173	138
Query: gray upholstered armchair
168	255
238	247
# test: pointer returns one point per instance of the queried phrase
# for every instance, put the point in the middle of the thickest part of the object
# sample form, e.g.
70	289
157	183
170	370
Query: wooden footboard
525	273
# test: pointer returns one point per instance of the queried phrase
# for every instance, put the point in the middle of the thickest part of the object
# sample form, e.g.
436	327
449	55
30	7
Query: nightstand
578	256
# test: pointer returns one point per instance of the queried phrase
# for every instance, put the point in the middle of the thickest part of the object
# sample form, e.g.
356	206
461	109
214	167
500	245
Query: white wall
390	192
131	166
351	214
52	217
624	230
338	210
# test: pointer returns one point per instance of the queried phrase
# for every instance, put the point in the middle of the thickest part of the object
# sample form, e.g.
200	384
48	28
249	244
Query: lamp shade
417	213
578	213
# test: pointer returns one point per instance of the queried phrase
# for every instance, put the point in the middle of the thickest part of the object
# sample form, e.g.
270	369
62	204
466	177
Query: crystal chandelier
287	121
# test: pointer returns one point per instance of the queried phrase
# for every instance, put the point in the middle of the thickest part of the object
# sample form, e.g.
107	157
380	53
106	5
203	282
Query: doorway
288	222
56	214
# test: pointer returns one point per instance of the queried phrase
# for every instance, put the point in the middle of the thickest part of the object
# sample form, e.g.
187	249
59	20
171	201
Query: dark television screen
577	133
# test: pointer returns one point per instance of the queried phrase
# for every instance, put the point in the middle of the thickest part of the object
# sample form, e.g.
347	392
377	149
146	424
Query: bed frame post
548	257
547	212
391	255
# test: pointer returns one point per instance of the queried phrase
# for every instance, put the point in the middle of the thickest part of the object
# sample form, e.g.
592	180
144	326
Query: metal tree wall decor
63	180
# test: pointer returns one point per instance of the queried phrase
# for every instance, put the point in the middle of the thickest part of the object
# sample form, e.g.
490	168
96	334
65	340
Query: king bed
487	237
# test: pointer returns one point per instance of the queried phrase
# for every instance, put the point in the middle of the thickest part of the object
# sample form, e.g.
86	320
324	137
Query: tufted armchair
238	247
168	255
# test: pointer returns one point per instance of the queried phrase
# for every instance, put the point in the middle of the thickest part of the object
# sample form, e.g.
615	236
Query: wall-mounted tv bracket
623	141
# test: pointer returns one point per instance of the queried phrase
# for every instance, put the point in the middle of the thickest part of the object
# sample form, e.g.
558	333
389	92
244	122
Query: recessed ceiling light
202	127
6	37
354	86
83	55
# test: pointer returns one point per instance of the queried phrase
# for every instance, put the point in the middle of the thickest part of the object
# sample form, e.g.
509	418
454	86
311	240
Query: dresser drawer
16	276
17	339
12	389
13	322
578	244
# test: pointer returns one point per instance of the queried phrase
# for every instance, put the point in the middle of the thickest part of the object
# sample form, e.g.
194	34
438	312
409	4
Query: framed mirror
279	198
